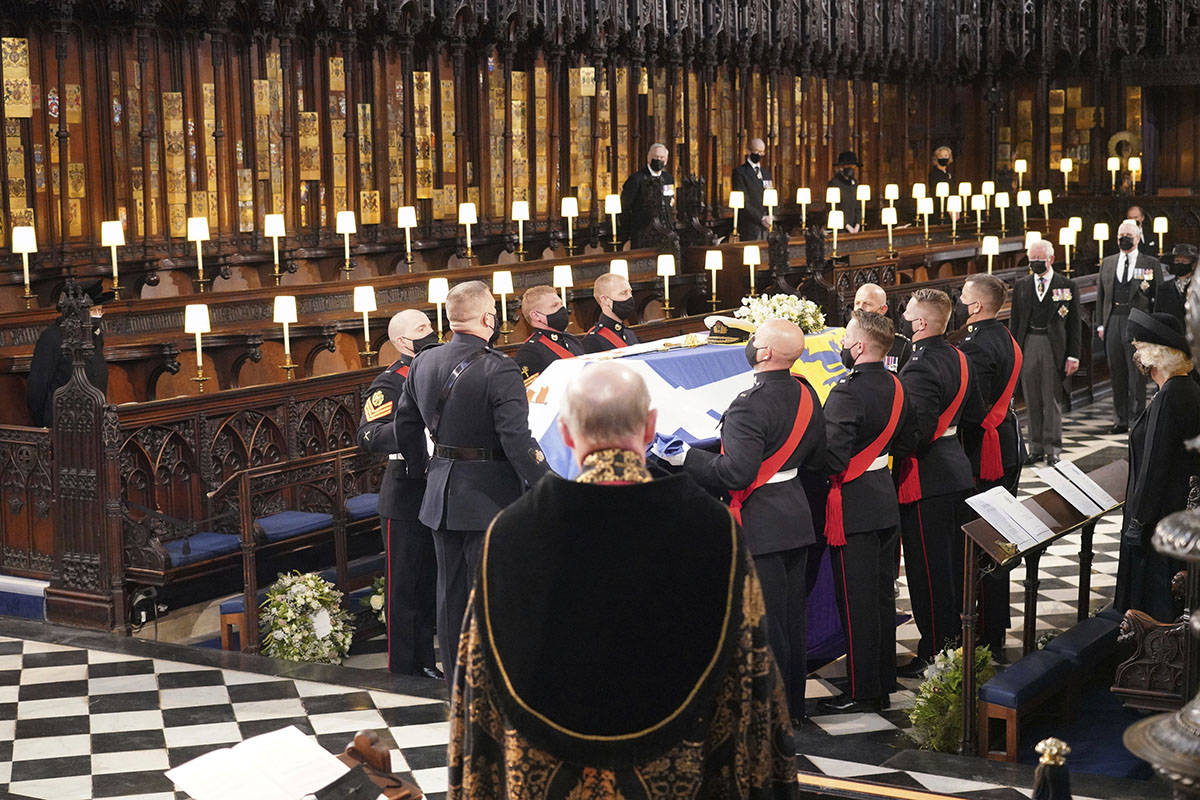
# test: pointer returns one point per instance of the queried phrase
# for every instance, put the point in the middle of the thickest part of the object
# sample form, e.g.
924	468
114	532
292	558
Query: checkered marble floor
85	715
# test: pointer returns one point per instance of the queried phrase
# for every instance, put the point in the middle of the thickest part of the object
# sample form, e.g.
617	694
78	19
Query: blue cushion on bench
363	505
1088	642
203	546
1024	680
287	524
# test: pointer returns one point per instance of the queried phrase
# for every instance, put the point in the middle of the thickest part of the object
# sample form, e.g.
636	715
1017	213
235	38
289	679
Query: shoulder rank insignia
376	406
537	454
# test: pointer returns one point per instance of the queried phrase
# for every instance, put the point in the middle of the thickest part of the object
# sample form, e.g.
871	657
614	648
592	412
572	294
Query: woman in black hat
1160	462
845	179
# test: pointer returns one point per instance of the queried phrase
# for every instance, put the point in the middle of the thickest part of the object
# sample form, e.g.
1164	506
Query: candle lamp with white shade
1066	238
1160	227
1031	237
942	191
1045	198
714	261
406	218
612	207
887	218
285	314
954	205
364	303
1065	165
346	225
862	193
964	191
833	196
1100	234
978	204
988	190
1135	171
924	209
1075	224
1020	166
112	236
196	321
891	193
991	249
438	289
837	221
273	228
197	231
737	201
502	284
570	210
770	202
751	258
804	199
918	193
619	266
1024	201
24	241
563	280
467	217
1114	166
1002	202
520	215
666	271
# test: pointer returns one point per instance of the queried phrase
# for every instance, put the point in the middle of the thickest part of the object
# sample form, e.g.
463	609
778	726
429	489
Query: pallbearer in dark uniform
768	432
989	430
546	314
932	472
1045	323
646	196
751	178
871	298
1128	279
862	517
410	612
1171	297
844	179
943	157
472	401
614	295
51	367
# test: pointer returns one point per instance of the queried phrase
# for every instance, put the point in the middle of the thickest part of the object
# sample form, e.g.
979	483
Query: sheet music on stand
1011	520
1088	486
1068	491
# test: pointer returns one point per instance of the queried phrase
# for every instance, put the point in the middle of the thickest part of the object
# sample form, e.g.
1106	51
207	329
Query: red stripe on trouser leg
928	579
849	628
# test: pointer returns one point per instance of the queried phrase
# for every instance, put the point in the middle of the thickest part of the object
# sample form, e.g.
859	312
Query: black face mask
848	173
559	319
656	164
943	162
751	354
906	328
1038	267
495	332
624	309
848	358
1125	243
423	342
755	158
1180	268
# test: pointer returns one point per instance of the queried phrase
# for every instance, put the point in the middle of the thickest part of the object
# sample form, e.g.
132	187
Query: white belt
395	457
951	431
879	463
781	477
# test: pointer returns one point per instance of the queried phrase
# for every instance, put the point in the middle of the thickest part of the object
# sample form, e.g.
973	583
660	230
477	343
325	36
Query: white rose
376	602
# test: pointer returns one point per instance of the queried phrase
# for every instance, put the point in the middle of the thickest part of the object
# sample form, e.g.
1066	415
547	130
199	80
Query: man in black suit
1171	297
646	197
751	177
844	178
862	517
546	314
762	477
1045	323
932	472
1128	279
1145	225
871	298
411	564
472	401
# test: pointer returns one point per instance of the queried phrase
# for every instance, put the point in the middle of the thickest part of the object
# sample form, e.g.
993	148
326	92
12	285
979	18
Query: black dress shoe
432	672
1034	458
845	704
1119	429
913	669
1052	460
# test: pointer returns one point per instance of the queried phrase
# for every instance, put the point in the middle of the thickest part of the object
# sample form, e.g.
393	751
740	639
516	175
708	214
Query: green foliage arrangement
304	620
936	715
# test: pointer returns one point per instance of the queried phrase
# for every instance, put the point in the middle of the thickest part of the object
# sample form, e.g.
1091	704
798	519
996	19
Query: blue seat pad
1026	679
203	546
1087	642
287	524
363	505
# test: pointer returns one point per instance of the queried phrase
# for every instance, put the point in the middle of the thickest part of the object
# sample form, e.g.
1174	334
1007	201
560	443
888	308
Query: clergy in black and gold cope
546	314
614	295
411	565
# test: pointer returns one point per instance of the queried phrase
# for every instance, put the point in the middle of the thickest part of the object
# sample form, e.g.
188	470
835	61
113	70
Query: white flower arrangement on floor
805	313
377	600
304	620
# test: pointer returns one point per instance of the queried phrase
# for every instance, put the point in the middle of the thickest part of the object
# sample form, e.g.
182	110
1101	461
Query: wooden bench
1017	690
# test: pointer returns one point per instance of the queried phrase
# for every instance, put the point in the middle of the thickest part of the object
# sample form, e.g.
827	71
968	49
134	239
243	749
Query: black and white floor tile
83	715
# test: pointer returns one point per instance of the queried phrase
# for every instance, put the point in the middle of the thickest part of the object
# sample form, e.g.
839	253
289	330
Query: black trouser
458	557
928	528
784	580
1128	385
864	574
411	595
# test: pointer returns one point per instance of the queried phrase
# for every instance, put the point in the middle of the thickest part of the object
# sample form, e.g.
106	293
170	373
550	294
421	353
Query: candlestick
1002	202
438	289
112	236
406	218
862	193
833	196
1024	200
990	248
273	228
502	284
346	225
977	205
196	321
1020	166
467	217
924	209
770	201
954	205
1160	227
737	201
520	214
964	191
563	280
918	193
1066	238
1045	198
619	266
1114	166
1135	171
666	269
891	193
570	210
24	241
285	314
1100	234
988	190
887	217
197	231
837	220
751	257
612	207
714	261
1065	165
942	190
364	302
804	198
